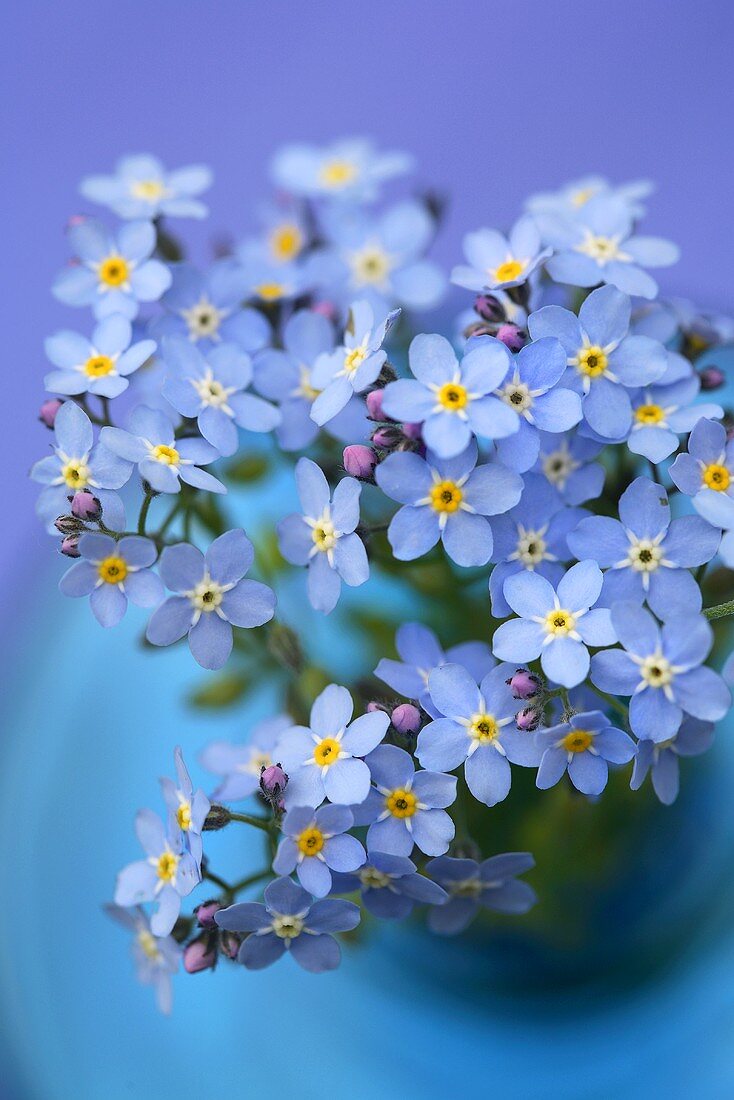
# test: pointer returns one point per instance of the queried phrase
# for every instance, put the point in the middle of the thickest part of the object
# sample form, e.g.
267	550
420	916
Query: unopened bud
386	437
69	525
84	505
205	913
199	955
527	719
412	431
711	378
406	718
229	944
217	818
373	401
359	461
48	410
273	782
70	546
511	336
489	308
524	684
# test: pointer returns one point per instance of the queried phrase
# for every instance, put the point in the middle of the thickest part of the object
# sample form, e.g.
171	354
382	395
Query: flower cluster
545	478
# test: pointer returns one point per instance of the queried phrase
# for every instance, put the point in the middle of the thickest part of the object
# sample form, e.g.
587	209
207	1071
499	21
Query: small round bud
511	336
406	719
359	461
527	719
205	913
524	684
489	308
48	410
273	782
217	818
229	944
68	525
374	405
199	955
84	505
70	546
711	378
386	438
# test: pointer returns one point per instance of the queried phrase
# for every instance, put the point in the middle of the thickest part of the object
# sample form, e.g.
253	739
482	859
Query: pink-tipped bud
199	955
273	782
70	546
524	684
48	410
406	719
359	461
205	913
373	707
84	505
325	309
511	336
374	405
711	378
229	944
386	437
489	308
527	719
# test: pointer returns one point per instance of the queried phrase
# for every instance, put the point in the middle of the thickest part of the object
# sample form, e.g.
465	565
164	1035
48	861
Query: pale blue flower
165	876
495	261
354	365
660	414
187	806
113	572
239	766
390	886
315	843
142	188
156	958
207	308
571	199
162	460
584	746
101	365
706	471
471	886
566	461
661	759
351	169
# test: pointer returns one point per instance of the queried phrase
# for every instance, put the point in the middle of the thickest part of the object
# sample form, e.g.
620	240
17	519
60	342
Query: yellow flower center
98	366
649	414
287	927
183	816
166	866
452	396
305	389
75	473
148	190
270	292
354	358
577	741
446	496
338	173
112	570
484	728
717	477
582	196
370	266
285	241
324	535
372	879
466	888
113	271
559	622
401	803
327	752
169	456
656	671
148	944
509	270
602	249
310	841
592	361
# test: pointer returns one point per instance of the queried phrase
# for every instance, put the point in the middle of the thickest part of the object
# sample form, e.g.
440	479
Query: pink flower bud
412	431
273	781
385	437
511	336
711	378
205	913
524	684
406	718
48	410
84	505
527	719
374	405
373	707
70	546
199	955
359	461
489	308
229	943
326	309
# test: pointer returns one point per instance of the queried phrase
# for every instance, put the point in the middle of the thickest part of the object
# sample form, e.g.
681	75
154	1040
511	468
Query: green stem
258	822
720	611
219	882
144	513
616	703
250	880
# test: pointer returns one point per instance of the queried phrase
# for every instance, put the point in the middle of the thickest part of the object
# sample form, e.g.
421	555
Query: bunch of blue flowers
545	482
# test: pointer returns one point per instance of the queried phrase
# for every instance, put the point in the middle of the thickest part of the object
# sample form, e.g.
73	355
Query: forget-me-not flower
142	188
239	766
186	805
112	572
162	460
167	874
390	886
498	262
566	461
660	758
156	958
101	365
206	307
584	746
570	200
660	414
354	365
350	168
315	843
706	471
471	886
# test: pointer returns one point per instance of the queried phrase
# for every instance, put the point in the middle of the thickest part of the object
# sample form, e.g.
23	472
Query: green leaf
222	690
246	470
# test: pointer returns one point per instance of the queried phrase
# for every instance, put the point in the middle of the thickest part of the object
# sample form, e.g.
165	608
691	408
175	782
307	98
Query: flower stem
720	610
219	882
250	880
144	513
258	822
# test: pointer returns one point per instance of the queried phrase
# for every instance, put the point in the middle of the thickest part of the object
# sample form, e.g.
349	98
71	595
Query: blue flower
405	807
323	760
240	765
354	365
324	538
162	460
446	499
287	377
211	389
531	536
661	759
112	572
571	199
78	464
492	884
476	728
453	400
100	365
351	168
380	258
706	471
206	308
421	652
390	886
114	274
211	597
316	842
566	462
186	806
584	746
287	229
496	261
661	668
156	958
267	282
599	247
603	360
288	921
554	625
167	874
142	188
661	413
647	556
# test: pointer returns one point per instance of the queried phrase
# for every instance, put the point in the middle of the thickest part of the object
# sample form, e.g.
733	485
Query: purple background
495	100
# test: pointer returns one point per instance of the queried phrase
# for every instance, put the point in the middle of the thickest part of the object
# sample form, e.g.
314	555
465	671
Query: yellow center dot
509	270
310	842
452	396
338	173
183	816
270	292
287	927
327	752
559	622
484	728
582	196
148	944
717	477
577	741
149	190
592	361
401	803
167	455
98	366
166	866
112	570
649	414
113	271
286	242
324	536
354	359
446	496
75	474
